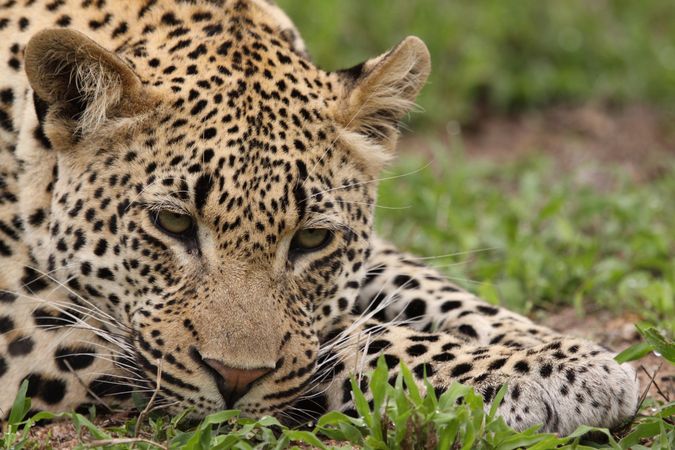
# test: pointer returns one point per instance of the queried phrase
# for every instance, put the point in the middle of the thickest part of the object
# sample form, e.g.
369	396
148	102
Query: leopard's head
212	201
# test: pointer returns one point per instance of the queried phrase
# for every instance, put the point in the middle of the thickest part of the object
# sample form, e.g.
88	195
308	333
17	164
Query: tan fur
373	155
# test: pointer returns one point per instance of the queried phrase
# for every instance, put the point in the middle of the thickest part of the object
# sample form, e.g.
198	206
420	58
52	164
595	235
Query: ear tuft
379	92
79	80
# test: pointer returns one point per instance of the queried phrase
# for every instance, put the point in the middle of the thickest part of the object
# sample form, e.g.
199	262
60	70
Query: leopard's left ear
377	94
78	83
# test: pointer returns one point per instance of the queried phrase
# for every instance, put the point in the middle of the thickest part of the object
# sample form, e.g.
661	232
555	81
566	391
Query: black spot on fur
108	386
468	330
522	367
546	370
488	310
461	369
6	324
406	282
74	358
34	384
299	193
416	350
37	217
33	281
21	346
450	305
202	188
378	346
443	357
421	369
391	360
52	391
497	364
416	308
7	297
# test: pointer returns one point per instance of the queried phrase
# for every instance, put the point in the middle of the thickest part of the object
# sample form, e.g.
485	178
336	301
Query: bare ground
635	138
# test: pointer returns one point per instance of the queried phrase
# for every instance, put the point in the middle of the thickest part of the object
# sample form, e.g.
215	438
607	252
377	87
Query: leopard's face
224	240
215	224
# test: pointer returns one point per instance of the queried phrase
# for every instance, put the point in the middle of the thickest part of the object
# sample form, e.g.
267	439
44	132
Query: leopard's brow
329	221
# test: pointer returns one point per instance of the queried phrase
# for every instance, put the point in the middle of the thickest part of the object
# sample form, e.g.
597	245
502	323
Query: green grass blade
410	384
21	405
361	404
497	400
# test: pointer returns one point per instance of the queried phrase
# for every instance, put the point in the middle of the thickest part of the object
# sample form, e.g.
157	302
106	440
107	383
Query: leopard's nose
234	383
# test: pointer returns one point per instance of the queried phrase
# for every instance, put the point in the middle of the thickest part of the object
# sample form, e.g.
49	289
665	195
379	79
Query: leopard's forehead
229	74
243	127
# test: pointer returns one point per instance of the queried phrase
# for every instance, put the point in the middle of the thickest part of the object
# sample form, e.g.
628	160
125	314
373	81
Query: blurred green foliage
505	56
526	236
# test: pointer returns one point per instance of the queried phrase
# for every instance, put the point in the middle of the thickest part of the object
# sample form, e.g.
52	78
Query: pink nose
234	383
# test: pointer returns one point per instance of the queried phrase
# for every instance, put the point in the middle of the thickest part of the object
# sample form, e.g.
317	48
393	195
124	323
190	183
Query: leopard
186	211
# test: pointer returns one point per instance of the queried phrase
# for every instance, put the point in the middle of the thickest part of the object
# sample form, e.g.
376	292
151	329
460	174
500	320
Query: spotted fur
114	111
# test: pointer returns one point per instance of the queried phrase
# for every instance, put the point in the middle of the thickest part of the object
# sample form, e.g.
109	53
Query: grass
523	235
400	417
518	233
502	56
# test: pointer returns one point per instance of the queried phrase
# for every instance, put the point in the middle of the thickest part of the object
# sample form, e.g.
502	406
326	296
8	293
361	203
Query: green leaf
667	410
448	434
583	430
219	417
306	437
268	421
665	347
81	421
520	440
333	418
548	442
639	432
634	352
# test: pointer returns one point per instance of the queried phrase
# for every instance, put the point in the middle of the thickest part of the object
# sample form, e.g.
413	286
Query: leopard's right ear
78	82
377	94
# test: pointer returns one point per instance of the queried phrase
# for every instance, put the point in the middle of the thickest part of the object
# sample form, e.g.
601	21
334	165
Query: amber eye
174	223
311	239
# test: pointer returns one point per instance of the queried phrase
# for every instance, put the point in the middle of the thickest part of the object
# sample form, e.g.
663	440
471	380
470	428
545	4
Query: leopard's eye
173	222
311	239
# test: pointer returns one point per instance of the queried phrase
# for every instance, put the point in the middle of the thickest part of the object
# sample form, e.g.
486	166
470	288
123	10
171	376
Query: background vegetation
496	56
524	235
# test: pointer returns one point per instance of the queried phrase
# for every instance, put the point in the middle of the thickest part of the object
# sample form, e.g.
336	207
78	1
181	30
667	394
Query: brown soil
62	435
636	138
